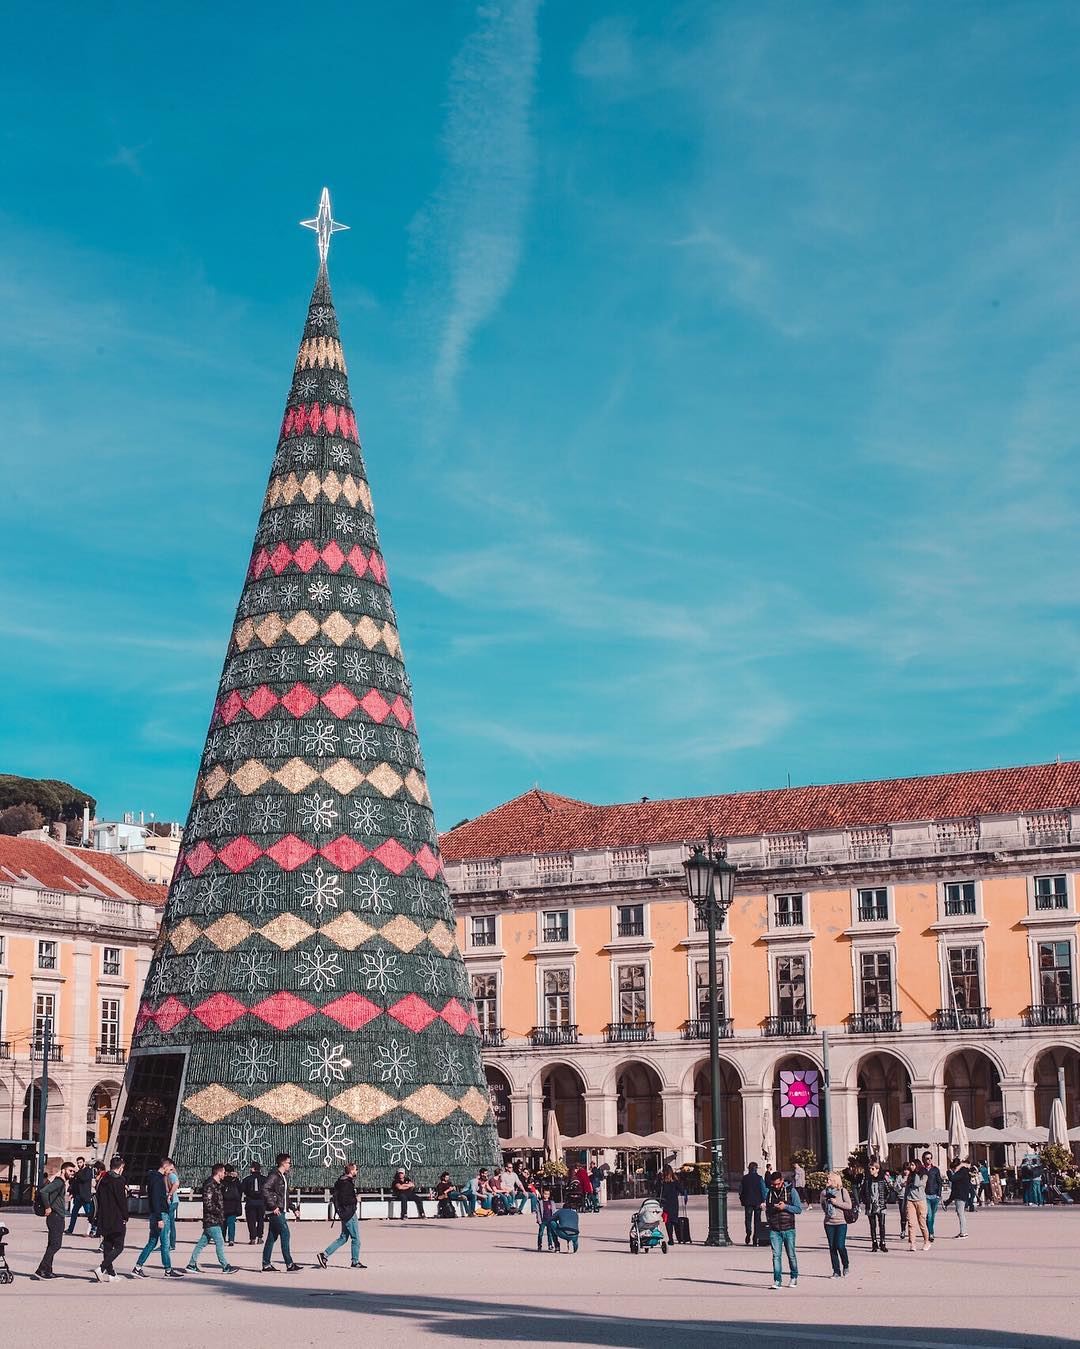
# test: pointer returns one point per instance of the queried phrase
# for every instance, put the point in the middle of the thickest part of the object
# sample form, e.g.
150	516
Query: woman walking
876	1198
670	1193
837	1204
913	1198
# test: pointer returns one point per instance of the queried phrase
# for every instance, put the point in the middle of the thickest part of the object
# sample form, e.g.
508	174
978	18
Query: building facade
77	930
929	925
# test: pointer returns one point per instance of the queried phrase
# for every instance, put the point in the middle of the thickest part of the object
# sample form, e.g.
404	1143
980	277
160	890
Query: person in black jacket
233	1198
752	1190
875	1197
670	1191
157	1208
960	1191
53	1195
112	1219
213	1219
345	1204
254	1205
934	1186
404	1189
276	1196
81	1189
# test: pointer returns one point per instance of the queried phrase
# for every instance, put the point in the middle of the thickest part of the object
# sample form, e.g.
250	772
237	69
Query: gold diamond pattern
476	1105
215	782
295	775
229	931
214	1103
363	1104
182	935
321	351
348	931
250	776
287	1103
403	932
269	629
302	627
286	930
368	631
441	938
431	1104
244	634
416	786
311	486
338	628
331	486
354	490
343	776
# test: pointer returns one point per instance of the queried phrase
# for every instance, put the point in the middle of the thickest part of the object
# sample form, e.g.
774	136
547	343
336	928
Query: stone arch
639	1104
499	1088
768	1076
972	1078
731	1113
937	1075
1044	1070
54	1106
882	1077
730	1066
562	1089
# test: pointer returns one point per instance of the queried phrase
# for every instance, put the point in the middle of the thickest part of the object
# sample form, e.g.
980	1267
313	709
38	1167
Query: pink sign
799	1097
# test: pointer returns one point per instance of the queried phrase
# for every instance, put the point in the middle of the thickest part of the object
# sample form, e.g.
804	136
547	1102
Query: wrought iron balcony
631	929
56	1051
483	939
873	913
547	1036
803	1023
111	1054
629	1032
556	934
494	1037
971	1018
5	1049
697	1028
789	917
873	1023
1053	1014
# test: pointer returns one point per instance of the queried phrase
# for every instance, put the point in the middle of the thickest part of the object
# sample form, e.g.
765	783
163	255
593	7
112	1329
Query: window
631	920
483	930
632	1009
1051	892
964	979
557	926
875	981
1055	973
44	1010
789	910
873	906
959	898
46	955
791	985
701	990
557	998
486	999
3	950
110	961
110	1025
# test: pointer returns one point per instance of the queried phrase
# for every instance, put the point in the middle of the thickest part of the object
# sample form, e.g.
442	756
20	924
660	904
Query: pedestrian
545	1221
782	1204
345	1205
996	1196
157	1209
876	1198
276	1198
514	1189
837	1204
52	1198
254	1206
481	1190
1035	1171
213	1220
588	1194
934	1187
172	1186
913	1200
960	1191
751	1197
233	1199
598	1176
99	1170
81	1190
404	1189
670	1192
112	1219
800	1181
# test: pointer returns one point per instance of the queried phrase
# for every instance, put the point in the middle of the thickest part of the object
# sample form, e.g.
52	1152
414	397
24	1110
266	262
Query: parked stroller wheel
663	1247
634	1246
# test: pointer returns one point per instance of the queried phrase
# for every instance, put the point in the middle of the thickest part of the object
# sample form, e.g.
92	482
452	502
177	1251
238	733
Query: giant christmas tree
306	995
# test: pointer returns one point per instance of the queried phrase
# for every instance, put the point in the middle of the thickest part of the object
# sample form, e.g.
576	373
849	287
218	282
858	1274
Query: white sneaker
99	1274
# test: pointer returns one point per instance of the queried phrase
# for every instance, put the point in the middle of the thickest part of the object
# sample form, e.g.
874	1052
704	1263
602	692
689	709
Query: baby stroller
647	1228
6	1275
565	1227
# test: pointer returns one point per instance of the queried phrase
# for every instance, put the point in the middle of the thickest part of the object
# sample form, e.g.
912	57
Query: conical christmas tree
307	995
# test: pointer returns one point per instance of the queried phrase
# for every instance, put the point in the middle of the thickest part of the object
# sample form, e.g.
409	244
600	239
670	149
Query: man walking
782	1203
751	1196
81	1189
345	1204
934	1187
53	1197
254	1204
213	1220
876	1201
112	1219
157	1209
276	1197
960	1192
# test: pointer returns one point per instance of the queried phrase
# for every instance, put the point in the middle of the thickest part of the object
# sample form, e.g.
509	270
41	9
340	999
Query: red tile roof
74	870
540	822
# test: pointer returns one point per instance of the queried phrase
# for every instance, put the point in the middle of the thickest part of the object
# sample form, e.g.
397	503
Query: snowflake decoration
247	1143
385	670
212	894
196	971
344	522
341	455
161	979
325	1062
351	596
376	601
459	1141
320	315
275	525
244	668
237	742
382	970
417	894
264	891
338	387
448	1062
305	519
196	822
221	815
361	741
318	968
394	1062
405	817
253	970
289	598
280	739
365	816
317	812
357	665
430	973
252	1062
268	813
319	662
320	591
283	662
326	1142
319	738
373	893
304	453
323	890
306	385
401	1145
398	745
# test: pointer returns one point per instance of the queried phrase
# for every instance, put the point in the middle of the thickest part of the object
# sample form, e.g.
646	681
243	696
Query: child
545	1221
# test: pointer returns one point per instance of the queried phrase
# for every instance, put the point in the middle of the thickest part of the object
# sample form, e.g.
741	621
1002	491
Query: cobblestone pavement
1012	1284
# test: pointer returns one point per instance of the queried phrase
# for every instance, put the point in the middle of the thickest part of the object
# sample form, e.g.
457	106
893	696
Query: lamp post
710	884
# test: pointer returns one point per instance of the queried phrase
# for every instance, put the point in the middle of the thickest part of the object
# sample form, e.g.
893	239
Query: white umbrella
1059	1125
958	1134
877	1140
910	1135
768	1138
522	1143
667	1141
553	1145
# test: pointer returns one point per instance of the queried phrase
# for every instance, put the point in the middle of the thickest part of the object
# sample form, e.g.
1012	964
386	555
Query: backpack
39	1203
853	1216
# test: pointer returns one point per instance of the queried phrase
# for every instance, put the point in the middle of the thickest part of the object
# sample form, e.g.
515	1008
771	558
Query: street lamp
710	884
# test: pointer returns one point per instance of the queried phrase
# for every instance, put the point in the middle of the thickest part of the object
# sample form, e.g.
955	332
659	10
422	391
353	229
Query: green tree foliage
17	819
55	800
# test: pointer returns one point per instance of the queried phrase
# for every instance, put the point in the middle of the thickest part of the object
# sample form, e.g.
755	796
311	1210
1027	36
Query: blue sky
716	367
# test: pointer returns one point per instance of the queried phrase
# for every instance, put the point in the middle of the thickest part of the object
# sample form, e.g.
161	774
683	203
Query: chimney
141	820
58	831
86	824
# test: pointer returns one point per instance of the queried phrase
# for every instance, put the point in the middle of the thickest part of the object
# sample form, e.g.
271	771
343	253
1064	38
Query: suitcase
761	1231
681	1227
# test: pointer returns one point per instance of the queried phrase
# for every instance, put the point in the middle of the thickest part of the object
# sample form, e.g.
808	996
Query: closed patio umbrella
768	1140
877	1139
1059	1126
553	1144
959	1145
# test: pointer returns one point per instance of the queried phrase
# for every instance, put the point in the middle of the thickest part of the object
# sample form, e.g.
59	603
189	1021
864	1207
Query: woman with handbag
838	1205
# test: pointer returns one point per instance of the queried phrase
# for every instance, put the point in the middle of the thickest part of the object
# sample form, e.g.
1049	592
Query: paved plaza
1012	1283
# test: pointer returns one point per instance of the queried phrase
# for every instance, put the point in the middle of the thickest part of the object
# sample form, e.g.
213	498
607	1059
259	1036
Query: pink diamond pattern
263	700
413	1012
231	707
219	1011
393	856
199	858
144	1015
352	1011
169	1015
345	853
357	559
239	853
259	562
333	556
306	556
291	852
428	863
340	700
299	700
282	1010
455	1016
400	709
375	705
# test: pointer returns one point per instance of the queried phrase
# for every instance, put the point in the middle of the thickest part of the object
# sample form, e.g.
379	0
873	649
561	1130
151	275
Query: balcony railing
5	1049
1043	903
802	1024
629	1032
56	1051
973	1018
789	918
874	913
697	1028
556	934
546	1036
483	939
960	908
492	1038
1053	1014
631	929
873	1023
110	1054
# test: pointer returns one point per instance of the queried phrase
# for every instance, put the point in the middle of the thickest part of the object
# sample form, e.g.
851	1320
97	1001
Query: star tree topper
324	225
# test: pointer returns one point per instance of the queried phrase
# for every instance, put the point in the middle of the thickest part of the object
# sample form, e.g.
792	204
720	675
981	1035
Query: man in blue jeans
782	1204
345	1204
213	1220
276	1198
933	1191
157	1196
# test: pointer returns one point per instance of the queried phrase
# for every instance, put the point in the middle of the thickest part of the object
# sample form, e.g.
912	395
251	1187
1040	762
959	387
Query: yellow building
928	924
77	929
